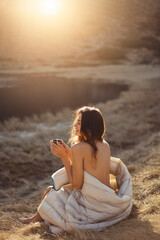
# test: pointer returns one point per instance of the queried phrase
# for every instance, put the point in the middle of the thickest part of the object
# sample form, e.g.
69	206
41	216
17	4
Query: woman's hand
60	150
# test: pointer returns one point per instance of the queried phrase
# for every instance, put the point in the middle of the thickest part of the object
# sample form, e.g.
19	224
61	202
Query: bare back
99	167
83	159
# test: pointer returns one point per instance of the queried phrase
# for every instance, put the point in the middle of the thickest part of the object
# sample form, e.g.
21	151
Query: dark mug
57	140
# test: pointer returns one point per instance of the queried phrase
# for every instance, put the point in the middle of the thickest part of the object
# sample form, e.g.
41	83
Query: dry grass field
133	134
96	42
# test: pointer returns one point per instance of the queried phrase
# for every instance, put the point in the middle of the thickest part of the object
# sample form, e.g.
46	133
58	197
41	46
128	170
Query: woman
89	159
89	152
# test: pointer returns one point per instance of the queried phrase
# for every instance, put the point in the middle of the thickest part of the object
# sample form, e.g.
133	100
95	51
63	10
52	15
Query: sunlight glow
51	6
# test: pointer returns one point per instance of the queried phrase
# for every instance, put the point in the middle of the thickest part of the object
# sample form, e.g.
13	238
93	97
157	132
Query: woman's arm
77	165
74	171
62	151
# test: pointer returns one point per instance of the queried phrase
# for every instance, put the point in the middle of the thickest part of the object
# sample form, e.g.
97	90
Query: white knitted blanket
95	206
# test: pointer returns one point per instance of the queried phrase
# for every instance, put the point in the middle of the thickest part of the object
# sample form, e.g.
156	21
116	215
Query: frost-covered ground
133	133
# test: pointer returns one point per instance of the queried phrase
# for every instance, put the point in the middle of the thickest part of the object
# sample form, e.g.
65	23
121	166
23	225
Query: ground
132	132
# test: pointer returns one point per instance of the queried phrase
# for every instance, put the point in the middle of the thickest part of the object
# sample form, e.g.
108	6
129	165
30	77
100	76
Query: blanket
95	206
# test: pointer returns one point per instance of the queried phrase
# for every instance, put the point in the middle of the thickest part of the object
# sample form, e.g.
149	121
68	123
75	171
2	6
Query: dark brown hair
92	127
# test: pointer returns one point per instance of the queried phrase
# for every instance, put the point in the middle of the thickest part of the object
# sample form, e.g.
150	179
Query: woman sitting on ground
89	151
87	165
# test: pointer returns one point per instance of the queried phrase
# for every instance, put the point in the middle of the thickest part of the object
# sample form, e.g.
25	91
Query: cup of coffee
57	141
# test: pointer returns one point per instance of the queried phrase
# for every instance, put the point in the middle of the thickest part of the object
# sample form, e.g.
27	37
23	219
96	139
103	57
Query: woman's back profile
98	167
89	152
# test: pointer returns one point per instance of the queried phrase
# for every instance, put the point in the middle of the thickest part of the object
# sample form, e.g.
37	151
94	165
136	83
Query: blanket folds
95	206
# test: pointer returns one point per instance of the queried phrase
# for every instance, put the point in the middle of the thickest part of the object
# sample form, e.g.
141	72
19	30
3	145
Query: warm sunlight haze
55	57
49	7
43	7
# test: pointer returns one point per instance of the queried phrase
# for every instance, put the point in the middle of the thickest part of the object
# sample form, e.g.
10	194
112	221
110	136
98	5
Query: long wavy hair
92	127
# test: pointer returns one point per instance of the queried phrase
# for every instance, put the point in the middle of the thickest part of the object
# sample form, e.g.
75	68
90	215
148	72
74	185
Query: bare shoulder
80	147
106	144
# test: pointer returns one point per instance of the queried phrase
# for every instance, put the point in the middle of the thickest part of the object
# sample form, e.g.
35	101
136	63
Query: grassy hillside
133	134
95	41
